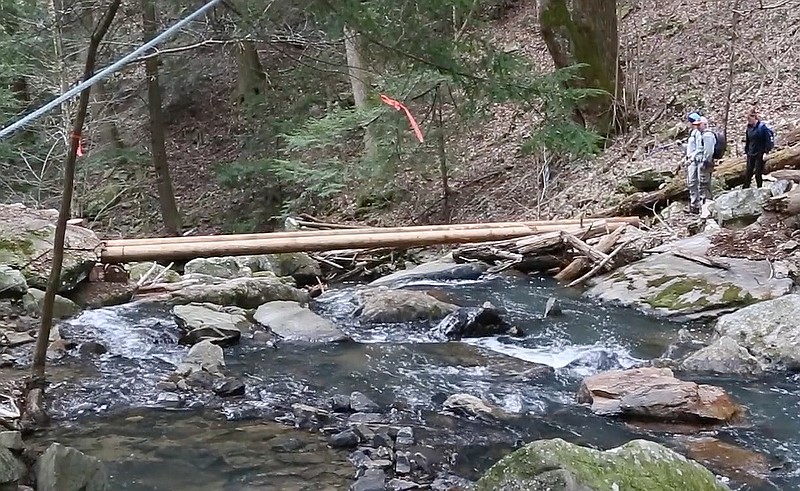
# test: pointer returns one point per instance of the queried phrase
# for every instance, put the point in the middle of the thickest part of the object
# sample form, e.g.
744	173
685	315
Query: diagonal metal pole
107	71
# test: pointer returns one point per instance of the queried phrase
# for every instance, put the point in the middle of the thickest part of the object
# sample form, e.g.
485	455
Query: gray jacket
701	146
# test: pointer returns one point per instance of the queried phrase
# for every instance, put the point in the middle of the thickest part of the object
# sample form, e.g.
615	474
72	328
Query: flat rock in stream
293	322
667	285
556	465
384	305
200	321
728	459
655	394
763	336
63	468
443	269
247	293
26	244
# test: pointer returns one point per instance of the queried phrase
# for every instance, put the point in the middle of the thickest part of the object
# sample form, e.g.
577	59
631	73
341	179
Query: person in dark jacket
755	146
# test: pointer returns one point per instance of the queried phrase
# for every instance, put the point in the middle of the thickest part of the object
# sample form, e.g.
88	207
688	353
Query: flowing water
108	405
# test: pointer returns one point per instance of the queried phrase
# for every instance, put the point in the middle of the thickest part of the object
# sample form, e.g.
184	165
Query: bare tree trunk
103	116
54	281
251	74
731	63
585	32
360	81
442	151
166	194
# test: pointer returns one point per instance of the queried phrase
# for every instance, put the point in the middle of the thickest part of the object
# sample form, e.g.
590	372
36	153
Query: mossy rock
556	465
137	270
26	244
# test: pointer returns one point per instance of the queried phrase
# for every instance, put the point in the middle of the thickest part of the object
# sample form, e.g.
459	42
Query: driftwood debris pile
573	258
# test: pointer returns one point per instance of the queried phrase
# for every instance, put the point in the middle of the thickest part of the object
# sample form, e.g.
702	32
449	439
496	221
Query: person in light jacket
699	160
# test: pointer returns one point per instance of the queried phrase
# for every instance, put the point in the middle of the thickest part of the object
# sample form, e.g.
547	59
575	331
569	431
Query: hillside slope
675	55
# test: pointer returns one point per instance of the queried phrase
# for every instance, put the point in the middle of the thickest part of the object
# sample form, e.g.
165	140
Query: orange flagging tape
401	107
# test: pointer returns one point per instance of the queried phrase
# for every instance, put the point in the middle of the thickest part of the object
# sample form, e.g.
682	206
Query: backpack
720	144
770	137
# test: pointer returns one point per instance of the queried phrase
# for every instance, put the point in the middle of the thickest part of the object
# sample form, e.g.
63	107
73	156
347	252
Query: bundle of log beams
558	245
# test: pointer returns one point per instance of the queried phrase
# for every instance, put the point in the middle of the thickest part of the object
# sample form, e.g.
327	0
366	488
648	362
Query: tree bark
166	193
731	171
252	77
360	83
54	281
585	32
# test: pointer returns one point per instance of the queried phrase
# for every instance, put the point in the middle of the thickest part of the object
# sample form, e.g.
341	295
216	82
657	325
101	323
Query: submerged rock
727	459
723	356
383	305
556	465
12	283
344	439
230	388
769	331
655	394
372	480
63	468
740	207
218	267
666	284
247	293
474	322
293	322
26	240
440	270
223	325
62	307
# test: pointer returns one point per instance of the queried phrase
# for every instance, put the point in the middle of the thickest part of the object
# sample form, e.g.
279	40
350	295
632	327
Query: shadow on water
398	366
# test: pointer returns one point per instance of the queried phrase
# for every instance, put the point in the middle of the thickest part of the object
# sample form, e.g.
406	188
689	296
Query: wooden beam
304	243
386	230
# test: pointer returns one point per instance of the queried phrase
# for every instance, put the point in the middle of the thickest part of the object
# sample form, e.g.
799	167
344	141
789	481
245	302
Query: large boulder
11	470
556	465
218	267
299	265
474	322
62	307
201	321
293	322
63	468
247	293
384	305
12	283
26	244
440	270
765	335
672	283
137	271
724	355
649	179
740	207
655	394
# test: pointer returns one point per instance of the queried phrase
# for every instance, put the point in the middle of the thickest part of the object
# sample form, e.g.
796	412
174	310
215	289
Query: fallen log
731	171
366	230
787	174
408	239
578	265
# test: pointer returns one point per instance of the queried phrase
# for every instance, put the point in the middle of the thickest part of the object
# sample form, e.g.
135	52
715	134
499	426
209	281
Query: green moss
659	280
671	296
636	466
14	251
733	295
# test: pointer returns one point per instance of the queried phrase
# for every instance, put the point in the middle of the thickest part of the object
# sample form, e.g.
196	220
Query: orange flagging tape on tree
401	107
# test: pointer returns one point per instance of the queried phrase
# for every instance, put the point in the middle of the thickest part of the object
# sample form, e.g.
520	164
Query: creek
108	406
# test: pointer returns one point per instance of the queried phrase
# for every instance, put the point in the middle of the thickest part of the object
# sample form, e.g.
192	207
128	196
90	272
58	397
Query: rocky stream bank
257	338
